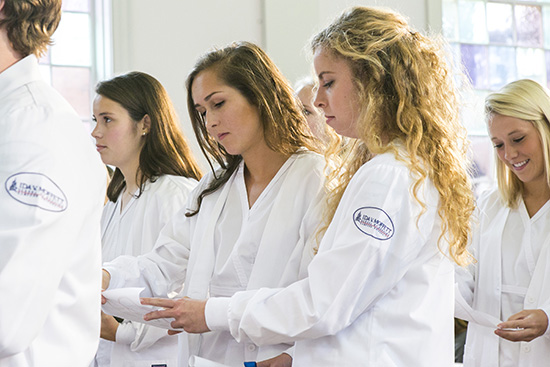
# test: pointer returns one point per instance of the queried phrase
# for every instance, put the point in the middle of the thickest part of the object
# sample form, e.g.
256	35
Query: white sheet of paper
465	311
195	361
125	303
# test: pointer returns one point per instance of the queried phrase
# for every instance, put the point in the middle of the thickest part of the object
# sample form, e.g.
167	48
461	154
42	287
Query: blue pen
249	364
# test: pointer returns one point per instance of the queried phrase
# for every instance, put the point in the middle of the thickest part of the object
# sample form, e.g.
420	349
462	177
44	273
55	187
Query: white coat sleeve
139	336
161	208
162	270
546	309
34	240
354	268
465	276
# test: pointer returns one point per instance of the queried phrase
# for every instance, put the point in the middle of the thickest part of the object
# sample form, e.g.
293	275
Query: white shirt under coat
228	247
53	189
378	293
512	273
133	231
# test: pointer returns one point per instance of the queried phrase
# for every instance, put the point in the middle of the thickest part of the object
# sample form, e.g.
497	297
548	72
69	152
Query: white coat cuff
290	352
125	333
216	313
116	280
546	309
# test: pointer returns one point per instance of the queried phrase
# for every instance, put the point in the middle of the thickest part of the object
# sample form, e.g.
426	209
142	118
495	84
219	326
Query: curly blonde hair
407	95
30	24
526	100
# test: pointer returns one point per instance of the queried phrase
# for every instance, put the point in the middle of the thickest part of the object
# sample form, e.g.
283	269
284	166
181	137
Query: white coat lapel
198	277
541	275
197	281
490	277
275	249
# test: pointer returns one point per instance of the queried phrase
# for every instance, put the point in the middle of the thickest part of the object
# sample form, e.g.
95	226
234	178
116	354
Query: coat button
526	349
251	347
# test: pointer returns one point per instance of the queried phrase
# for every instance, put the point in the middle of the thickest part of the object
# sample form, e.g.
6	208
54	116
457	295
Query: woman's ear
146	121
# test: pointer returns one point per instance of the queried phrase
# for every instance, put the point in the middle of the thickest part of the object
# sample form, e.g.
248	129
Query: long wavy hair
526	100
30	24
408	96
164	150
247	68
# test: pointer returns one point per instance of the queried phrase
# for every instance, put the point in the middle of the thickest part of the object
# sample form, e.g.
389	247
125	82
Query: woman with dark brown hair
250	220
137	132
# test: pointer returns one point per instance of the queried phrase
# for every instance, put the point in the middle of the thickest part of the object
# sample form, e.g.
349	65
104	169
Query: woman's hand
282	360
524	326
109	326
106	279
188	313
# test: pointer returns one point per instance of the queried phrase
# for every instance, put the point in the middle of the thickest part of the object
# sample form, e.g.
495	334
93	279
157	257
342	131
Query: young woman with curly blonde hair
379	292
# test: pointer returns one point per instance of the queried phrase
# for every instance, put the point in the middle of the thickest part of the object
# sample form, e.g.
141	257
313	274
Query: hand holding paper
125	303
524	326
188	313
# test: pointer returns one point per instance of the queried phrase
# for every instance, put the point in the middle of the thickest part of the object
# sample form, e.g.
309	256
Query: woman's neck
130	177
259	170
535	196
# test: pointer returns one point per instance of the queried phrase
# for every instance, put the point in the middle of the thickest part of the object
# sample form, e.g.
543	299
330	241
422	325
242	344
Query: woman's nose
319	100
96	131
510	152
210	121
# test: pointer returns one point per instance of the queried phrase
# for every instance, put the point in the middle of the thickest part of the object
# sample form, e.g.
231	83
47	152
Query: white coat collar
22	72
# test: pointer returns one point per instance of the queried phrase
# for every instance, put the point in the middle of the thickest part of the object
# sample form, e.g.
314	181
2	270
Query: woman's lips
520	165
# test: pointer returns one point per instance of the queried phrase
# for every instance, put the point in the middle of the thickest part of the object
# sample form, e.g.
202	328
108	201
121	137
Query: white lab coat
378	293
134	232
481	287
53	188
228	247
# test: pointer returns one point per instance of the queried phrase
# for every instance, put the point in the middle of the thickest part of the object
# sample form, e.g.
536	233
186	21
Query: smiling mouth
520	164
222	136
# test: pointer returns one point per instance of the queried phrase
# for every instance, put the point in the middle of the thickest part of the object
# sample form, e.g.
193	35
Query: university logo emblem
36	189
374	222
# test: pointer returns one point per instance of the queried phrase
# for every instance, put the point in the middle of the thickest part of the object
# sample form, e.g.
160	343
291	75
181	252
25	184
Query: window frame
101	53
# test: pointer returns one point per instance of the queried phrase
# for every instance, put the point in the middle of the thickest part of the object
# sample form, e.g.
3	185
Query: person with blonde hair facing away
511	278
379	292
137	131
250	221
53	189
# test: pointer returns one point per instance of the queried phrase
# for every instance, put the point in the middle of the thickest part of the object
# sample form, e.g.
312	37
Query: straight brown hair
165	150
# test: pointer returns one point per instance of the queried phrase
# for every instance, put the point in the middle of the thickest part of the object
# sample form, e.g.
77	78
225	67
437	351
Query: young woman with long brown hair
137	131
249	223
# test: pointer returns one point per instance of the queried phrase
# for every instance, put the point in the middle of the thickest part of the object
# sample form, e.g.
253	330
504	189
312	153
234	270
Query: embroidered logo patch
36	189
374	222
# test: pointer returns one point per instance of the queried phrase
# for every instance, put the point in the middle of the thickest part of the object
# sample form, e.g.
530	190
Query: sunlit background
495	41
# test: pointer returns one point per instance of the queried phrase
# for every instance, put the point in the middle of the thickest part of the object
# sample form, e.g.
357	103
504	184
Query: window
78	58
498	42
